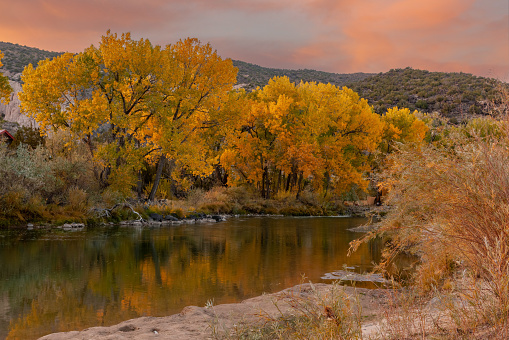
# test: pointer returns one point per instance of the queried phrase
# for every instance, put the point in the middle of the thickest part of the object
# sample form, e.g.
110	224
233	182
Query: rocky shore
216	321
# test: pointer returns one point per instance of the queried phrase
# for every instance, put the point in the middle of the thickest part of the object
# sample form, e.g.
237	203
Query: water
53	281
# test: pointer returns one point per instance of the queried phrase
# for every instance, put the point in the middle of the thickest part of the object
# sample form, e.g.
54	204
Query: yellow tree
400	126
313	133
192	95
403	127
131	102
5	88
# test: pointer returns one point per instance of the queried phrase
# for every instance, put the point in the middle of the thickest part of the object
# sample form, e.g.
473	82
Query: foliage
32	180
449	206
293	135
133	104
28	136
5	88
401	126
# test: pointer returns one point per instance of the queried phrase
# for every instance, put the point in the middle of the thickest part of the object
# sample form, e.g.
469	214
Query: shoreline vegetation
213	206
160	134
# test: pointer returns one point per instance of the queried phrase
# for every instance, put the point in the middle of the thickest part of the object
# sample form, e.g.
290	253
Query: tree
403	127
5	88
400	126
289	135
132	103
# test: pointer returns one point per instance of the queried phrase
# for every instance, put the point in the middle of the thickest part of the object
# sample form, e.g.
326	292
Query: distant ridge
252	75
452	94
456	95
16	57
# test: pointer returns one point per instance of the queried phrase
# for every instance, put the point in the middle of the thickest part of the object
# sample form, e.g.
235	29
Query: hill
452	94
252	76
457	95
16	57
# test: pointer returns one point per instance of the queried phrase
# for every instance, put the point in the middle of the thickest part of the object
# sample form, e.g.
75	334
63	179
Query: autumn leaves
288	136
133	103
5	88
138	106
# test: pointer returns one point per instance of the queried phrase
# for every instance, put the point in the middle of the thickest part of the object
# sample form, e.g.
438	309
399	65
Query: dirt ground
197	322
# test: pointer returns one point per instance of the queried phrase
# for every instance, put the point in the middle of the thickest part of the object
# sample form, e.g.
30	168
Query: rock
156	217
128	328
171	218
196	216
365	228
195	322
351	276
218	218
73	226
11	112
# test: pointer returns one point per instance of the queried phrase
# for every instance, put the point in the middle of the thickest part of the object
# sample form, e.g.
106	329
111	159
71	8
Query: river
54	280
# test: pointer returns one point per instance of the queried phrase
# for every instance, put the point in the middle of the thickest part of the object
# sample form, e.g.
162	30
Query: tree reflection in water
59	281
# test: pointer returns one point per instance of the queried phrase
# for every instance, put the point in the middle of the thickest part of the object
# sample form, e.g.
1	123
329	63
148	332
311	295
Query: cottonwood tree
5	88
132	103
288	135
401	126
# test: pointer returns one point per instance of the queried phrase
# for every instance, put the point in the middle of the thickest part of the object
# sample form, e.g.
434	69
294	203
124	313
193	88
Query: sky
341	36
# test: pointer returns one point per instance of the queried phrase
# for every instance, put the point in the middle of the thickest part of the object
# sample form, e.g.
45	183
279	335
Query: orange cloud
330	35
374	36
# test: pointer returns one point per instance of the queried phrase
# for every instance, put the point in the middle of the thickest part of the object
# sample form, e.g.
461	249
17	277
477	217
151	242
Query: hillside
16	57
252	75
452	94
456	95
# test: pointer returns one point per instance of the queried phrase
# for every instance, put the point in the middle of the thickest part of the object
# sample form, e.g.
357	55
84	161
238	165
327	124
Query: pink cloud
330	35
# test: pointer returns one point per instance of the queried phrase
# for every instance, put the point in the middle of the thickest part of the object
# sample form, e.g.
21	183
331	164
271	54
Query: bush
450	206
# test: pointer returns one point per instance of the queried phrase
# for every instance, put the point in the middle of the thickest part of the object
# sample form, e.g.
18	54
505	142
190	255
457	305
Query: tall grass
302	314
451	208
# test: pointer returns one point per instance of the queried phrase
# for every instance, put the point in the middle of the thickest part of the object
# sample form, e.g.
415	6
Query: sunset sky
342	36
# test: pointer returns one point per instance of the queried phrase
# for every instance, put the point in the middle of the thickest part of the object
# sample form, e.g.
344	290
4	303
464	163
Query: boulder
171	218
156	217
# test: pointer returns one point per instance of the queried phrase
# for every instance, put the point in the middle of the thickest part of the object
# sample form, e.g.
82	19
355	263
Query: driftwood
105	212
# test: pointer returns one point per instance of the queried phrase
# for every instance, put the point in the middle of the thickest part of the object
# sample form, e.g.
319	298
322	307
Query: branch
107	212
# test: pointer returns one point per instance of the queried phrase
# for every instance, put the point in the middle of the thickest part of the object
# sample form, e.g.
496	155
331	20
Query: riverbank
217	201
232	319
164	214
315	311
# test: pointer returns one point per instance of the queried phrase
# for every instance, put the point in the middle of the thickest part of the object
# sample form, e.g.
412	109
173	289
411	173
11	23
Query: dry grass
450	206
330	315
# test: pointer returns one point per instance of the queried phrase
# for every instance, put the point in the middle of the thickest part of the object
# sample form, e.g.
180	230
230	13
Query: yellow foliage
310	132
5	88
402	126
133	102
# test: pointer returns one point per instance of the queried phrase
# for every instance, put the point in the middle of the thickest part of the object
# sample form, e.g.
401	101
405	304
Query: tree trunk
299	185
139	185
327	183
267	188
159	172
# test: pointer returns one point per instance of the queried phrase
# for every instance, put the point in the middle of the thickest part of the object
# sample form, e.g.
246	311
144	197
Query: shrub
450	206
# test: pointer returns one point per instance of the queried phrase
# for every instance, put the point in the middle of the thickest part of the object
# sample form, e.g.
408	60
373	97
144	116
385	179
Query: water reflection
60	281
